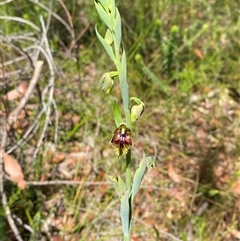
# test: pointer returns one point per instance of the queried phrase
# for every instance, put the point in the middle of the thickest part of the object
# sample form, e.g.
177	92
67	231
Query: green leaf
213	192
104	3
138	176
150	162
103	14
118	30
3	228
113	6
125	212
106	46
119	185
117	114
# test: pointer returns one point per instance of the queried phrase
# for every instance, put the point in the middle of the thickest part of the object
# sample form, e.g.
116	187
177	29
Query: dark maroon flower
122	140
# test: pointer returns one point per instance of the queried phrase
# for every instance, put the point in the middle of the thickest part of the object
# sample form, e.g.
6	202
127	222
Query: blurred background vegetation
183	62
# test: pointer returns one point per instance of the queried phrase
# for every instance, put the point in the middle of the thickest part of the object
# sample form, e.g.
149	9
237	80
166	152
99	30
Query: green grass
190	121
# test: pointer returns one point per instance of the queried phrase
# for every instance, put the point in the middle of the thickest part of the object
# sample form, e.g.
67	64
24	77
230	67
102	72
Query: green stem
123	80
127	238
122	73
117	55
128	169
128	185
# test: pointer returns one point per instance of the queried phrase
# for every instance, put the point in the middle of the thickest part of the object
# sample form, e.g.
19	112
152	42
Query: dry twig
4	129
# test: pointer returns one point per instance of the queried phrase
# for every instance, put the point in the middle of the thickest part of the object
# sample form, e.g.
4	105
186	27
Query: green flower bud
205	27
158	23
136	111
106	82
108	37
174	29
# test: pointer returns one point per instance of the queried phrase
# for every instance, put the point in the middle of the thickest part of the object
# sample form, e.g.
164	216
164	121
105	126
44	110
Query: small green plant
122	138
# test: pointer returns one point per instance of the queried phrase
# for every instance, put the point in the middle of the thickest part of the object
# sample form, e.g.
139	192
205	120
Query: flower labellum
122	140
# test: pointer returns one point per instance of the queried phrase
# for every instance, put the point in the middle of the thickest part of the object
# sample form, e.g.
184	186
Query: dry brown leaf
76	119
18	92
236	188
237	204
173	174
56	238
199	53
68	165
170	212
14	170
22	122
235	233
137	238
58	157
64	221
180	196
